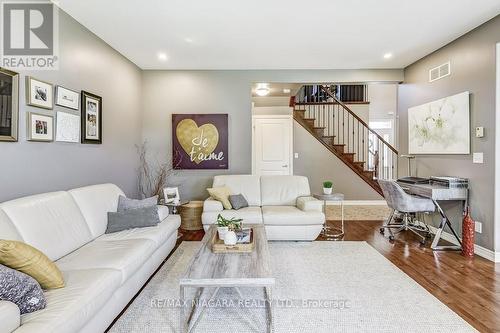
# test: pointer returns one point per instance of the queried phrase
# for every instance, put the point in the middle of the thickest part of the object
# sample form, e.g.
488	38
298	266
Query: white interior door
272	145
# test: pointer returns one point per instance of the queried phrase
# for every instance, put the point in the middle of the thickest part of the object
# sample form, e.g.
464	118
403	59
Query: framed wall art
91	119
67	98
440	127
9	105
67	127
200	141
39	93
40	127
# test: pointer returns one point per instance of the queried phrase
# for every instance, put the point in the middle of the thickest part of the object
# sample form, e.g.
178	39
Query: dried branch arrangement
152	174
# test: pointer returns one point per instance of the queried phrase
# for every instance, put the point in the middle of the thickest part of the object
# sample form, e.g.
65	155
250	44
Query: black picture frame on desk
91	119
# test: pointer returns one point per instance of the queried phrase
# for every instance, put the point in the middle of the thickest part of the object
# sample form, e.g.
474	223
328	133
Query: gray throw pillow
126	203
21	289
132	218
238	201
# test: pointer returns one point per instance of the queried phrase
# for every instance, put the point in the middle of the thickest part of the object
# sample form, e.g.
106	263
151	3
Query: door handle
285	166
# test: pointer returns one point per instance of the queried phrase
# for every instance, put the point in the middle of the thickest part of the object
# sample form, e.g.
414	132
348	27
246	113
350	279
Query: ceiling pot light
162	56
388	56
262	91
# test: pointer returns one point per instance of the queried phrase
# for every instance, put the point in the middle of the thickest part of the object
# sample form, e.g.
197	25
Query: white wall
383	99
271	101
497	155
272	110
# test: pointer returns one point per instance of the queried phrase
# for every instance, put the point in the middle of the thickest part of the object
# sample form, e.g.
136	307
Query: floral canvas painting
440	127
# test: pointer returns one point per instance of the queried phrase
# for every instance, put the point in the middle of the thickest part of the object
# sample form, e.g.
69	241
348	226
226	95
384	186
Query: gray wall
87	63
319	164
168	92
473	69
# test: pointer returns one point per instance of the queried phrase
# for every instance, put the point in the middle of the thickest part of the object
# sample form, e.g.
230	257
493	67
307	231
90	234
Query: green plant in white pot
223	225
327	187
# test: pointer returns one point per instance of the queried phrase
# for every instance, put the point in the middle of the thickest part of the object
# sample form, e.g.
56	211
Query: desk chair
400	201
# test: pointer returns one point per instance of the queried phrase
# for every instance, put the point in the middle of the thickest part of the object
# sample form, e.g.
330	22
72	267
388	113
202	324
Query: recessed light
162	56
188	40
388	56
286	91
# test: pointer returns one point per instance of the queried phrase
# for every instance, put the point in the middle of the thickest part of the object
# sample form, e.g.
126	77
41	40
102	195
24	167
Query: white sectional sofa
102	272
282	203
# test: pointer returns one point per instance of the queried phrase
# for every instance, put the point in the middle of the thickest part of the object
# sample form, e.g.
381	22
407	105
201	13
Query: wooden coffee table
226	270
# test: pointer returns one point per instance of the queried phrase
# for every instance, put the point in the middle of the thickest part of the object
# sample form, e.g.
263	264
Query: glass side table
334	232
172	206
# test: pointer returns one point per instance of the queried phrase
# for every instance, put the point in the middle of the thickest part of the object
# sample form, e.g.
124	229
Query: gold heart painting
200	141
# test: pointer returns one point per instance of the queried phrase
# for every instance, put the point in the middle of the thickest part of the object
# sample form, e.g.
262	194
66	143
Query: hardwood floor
470	287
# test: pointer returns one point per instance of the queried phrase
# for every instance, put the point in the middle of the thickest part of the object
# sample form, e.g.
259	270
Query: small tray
218	245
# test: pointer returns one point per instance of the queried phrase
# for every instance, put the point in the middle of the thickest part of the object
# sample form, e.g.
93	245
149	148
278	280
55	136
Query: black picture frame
91	105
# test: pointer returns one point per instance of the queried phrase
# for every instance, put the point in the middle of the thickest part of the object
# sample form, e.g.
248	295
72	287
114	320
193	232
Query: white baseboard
479	250
359	203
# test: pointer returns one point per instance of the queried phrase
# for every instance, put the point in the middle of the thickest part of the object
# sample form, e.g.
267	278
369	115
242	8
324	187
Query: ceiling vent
439	72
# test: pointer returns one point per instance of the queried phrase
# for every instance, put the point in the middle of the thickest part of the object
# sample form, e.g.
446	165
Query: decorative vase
468	230
222	232
230	238
327	190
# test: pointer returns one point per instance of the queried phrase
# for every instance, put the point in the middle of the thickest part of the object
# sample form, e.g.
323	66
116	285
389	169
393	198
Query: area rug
320	287
358	212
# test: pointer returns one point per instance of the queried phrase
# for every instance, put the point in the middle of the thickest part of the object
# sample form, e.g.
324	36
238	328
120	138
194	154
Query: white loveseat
283	203
102	272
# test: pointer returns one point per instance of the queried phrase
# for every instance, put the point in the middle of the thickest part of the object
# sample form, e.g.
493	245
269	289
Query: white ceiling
278	34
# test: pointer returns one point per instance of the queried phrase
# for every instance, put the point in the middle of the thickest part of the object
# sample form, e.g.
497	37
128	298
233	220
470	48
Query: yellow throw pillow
221	194
25	258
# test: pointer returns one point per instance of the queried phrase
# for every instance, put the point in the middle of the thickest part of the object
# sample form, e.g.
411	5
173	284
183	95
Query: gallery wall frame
9	102
67	127
67	98
39	93
91	118
40	127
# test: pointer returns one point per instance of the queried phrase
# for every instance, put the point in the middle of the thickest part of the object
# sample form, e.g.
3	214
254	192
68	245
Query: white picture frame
441	127
171	195
67	98
67	127
40	127
39	93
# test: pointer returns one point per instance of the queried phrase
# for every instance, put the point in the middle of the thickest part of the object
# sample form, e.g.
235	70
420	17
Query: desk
436	193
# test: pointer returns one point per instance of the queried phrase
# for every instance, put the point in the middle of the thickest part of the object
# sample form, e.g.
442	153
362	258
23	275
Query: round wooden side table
332	232
191	215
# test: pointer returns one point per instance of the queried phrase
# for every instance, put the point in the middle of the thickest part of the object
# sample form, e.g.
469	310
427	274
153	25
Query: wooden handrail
355	116
327	103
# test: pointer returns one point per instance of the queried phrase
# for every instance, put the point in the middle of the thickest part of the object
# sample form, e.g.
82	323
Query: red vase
468	235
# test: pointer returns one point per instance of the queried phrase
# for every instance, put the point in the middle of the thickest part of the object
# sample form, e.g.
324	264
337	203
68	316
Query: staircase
319	110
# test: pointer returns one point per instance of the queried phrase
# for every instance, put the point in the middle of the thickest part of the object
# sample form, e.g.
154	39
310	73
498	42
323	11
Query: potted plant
230	237
223	225
327	187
